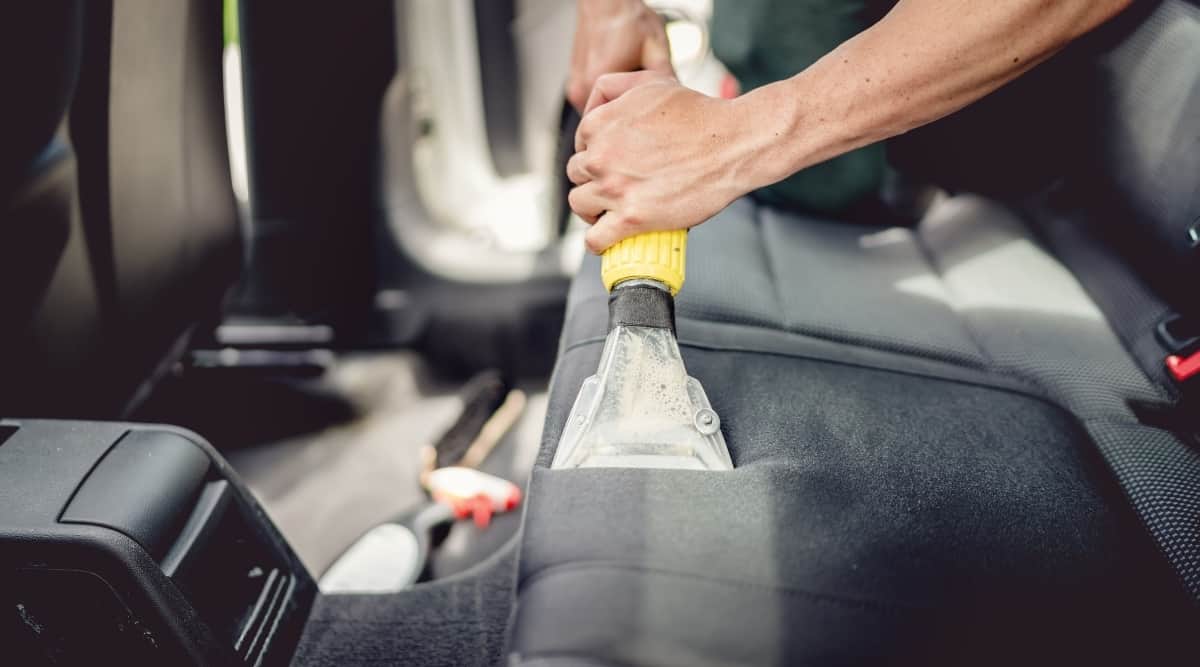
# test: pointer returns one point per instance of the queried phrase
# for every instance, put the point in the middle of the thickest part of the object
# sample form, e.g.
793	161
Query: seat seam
935	267
842	338
1045	386
769	266
1024	387
787	591
563	653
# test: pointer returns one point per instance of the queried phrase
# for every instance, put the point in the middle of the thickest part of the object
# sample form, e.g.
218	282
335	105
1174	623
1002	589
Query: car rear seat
118	224
944	436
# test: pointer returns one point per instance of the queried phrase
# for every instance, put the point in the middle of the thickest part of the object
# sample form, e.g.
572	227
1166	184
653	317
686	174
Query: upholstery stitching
936	267
769	266
840	337
788	591
1023	386
539	657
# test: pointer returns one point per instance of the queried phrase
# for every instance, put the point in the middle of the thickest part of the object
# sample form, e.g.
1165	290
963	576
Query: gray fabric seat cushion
969	285
872	515
914	416
944	451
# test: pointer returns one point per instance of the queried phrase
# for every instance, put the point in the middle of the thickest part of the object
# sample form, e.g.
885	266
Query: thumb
610	228
656	55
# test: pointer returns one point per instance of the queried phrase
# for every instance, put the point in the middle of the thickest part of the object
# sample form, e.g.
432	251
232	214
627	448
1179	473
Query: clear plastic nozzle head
642	410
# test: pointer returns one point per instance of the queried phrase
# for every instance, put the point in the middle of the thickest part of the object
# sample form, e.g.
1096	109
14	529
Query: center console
135	544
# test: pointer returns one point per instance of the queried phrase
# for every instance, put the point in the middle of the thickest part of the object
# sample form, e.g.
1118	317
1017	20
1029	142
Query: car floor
330	455
333	456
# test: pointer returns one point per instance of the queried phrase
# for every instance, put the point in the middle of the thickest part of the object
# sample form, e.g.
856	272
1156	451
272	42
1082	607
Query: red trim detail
1184	368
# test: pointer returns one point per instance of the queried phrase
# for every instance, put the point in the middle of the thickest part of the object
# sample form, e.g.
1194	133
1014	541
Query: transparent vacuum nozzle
641	409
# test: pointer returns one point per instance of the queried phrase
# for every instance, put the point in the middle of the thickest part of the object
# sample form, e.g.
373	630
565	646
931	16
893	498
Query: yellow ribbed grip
659	256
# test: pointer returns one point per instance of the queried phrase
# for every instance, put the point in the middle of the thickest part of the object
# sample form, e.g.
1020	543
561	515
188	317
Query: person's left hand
654	155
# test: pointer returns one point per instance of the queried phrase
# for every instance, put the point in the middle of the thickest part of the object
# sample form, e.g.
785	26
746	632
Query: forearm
925	60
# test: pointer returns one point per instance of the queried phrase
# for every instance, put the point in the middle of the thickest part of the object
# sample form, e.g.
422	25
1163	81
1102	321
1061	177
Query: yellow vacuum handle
659	256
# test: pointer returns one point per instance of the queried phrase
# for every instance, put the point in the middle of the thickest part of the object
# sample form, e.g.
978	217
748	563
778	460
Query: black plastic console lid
144	487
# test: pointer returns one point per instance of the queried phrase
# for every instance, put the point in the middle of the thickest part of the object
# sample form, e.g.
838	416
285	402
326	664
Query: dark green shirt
763	41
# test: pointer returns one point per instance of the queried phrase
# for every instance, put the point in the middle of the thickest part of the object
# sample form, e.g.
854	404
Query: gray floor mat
460	622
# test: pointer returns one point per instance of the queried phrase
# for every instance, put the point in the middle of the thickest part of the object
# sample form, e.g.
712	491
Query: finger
577	171
582	134
610	228
577	89
588	126
656	54
577	93
611	86
586	201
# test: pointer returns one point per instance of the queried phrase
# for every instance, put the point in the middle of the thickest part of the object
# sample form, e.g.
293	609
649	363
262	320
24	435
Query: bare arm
923	61
654	155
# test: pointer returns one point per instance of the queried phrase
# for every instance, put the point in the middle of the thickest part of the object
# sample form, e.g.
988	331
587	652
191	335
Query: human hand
614	36
652	154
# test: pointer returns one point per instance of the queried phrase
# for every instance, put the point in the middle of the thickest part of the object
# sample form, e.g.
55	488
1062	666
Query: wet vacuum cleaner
641	409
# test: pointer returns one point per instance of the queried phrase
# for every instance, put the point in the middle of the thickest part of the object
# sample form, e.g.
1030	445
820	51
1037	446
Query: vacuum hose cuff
641	303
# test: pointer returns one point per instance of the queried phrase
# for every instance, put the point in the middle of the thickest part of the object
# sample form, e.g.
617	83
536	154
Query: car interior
296	315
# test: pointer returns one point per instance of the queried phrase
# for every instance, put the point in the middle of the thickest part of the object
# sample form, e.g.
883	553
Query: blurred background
398	169
323	236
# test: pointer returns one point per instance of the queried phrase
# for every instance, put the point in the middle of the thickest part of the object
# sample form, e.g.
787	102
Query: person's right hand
614	36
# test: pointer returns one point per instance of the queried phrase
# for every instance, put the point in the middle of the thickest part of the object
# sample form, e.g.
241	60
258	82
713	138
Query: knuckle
595	175
586	130
593	244
610	188
633	218
576	169
598	157
592	163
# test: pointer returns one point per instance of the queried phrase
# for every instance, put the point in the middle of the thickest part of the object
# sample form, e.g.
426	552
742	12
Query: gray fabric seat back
36	96
173	225
1115	117
50	317
1143	168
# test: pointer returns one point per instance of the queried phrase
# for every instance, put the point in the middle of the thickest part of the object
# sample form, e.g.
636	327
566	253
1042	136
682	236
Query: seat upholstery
175	237
51	315
39	62
121	231
914	466
1145	145
948	446
51	322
